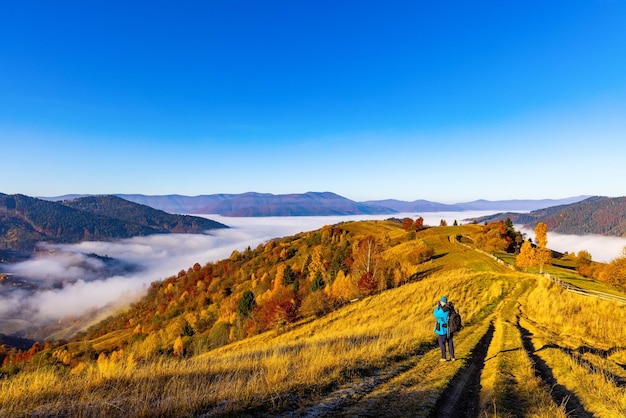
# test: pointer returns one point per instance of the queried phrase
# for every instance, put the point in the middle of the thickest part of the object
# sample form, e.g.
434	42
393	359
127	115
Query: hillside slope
118	208
595	215
25	221
517	355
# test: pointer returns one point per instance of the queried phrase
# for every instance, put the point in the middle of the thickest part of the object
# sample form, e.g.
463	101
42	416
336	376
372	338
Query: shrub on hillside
218	336
316	304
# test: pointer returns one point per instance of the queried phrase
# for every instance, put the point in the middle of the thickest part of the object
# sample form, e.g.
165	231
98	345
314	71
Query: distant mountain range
25	221
595	215
316	204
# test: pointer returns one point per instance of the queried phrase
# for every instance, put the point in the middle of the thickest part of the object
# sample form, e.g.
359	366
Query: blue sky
444	101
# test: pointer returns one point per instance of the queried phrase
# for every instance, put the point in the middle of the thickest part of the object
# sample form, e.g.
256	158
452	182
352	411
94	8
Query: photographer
441	313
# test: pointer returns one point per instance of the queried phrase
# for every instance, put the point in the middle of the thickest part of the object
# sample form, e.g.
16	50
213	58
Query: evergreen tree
246	304
187	330
289	277
318	282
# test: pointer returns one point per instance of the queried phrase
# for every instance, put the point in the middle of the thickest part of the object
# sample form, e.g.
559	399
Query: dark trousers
443	339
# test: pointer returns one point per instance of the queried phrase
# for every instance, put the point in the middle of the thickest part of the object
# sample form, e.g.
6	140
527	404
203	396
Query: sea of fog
72	280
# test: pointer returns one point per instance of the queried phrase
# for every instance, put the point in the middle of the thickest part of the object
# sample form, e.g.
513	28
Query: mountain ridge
598	215
26	221
315	204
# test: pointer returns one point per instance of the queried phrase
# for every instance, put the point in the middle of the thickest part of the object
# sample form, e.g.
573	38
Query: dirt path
461	398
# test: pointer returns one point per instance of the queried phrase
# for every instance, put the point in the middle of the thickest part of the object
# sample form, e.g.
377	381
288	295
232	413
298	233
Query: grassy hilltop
310	347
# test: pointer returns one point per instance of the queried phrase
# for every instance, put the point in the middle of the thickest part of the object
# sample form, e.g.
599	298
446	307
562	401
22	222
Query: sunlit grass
562	324
509	387
575	319
262	370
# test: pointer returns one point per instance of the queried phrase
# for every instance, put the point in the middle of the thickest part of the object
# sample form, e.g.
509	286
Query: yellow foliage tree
541	234
179	347
526	256
317	263
343	288
543	254
278	279
615	272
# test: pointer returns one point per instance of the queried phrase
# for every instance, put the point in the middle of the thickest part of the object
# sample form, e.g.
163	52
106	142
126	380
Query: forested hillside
118	208
595	215
25	221
273	285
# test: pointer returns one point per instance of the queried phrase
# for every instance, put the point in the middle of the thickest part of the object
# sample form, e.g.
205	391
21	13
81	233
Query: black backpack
454	321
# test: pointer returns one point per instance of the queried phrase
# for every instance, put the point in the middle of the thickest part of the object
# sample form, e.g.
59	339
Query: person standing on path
442	313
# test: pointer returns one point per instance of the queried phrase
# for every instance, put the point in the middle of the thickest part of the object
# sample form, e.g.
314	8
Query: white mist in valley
73	279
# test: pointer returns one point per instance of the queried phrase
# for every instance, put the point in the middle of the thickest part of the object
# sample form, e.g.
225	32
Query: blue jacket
442	319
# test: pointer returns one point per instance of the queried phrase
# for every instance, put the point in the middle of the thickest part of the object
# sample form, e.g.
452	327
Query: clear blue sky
444	101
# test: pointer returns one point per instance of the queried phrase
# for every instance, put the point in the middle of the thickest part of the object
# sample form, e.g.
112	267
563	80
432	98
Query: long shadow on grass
578	355
560	394
424	274
336	400
462	396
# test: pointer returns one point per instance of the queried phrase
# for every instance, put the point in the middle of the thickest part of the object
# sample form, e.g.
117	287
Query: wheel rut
560	394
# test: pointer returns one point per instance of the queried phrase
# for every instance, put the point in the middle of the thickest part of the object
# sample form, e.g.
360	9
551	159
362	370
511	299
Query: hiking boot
443	359
452	359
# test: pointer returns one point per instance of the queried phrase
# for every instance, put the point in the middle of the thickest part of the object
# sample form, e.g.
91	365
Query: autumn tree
543	254
615	272
317	262
316	303
541	234
583	263
494	237
526	256
419	224
367	256
179	347
368	284
343	288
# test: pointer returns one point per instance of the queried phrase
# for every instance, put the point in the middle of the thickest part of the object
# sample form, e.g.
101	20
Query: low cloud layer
75	278
602	249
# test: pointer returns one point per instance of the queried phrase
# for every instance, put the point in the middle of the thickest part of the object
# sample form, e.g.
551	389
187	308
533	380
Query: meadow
528	348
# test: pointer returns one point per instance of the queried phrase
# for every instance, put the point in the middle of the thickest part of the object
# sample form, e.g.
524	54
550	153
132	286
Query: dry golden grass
263	370
563	324
575	319
509	387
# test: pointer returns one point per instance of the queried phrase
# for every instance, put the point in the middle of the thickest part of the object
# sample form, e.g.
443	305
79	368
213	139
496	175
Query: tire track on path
560	394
